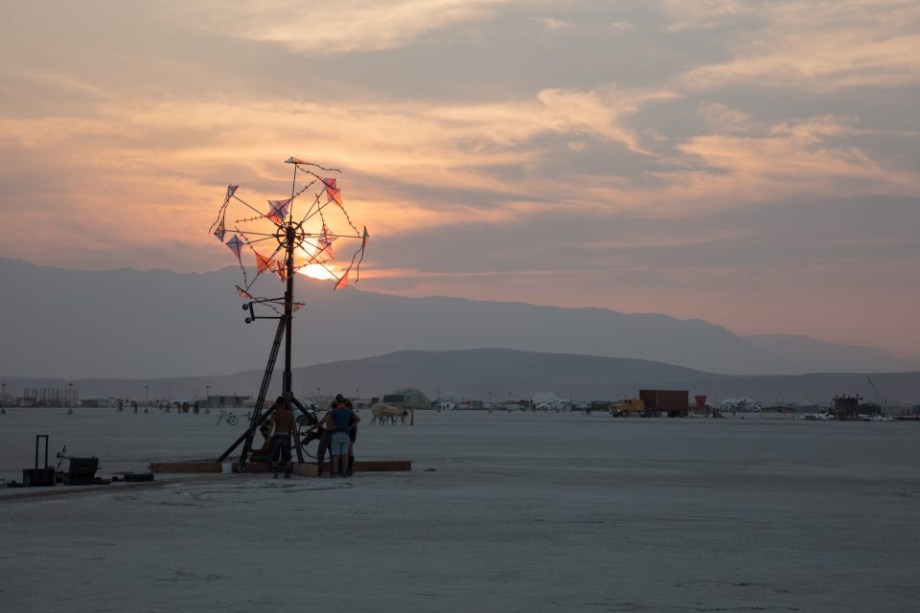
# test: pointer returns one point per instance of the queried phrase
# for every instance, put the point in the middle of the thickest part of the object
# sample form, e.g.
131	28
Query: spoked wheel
309	442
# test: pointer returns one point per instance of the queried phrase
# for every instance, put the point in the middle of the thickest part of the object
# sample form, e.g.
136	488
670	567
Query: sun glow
317	271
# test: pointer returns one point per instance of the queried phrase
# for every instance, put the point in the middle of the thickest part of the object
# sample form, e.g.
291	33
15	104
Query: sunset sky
752	164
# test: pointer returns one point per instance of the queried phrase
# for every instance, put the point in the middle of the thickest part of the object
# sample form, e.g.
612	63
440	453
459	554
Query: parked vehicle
675	402
628	407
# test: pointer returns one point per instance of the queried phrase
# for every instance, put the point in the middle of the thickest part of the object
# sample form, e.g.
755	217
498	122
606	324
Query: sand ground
501	512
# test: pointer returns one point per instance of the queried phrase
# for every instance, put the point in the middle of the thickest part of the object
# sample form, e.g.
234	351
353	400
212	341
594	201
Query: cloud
346	26
158	159
552	23
622	26
790	149
797	158
60	83
704	14
463	156
811	46
721	119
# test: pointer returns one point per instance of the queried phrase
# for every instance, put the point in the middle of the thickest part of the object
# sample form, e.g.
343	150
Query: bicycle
228	416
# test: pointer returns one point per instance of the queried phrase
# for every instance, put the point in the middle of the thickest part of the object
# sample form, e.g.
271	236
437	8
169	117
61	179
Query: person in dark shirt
325	442
339	421
352	436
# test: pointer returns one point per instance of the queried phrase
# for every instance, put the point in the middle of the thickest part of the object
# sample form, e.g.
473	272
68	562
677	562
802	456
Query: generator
82	471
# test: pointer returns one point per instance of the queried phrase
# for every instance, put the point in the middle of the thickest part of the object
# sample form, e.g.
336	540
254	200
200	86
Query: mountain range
499	375
145	325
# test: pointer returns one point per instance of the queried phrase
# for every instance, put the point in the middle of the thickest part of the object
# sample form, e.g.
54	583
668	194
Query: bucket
226	468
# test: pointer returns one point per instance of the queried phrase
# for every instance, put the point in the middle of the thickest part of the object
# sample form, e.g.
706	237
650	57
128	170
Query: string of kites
278	212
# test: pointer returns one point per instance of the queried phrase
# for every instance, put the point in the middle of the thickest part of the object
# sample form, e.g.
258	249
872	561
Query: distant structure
849	407
49	396
226	400
409	398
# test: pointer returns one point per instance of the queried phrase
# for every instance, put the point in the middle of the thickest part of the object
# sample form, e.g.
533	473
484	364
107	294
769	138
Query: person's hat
339	398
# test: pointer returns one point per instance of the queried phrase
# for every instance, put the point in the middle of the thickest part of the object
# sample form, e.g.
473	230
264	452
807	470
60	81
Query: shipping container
675	402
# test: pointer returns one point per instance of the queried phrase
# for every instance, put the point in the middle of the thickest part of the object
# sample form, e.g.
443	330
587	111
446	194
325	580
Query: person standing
284	428
339	420
325	444
352	436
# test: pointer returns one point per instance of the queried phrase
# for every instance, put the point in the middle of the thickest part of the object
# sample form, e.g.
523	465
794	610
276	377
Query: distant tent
545	398
408	397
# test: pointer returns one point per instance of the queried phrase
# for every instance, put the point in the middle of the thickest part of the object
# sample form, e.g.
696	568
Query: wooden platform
304	470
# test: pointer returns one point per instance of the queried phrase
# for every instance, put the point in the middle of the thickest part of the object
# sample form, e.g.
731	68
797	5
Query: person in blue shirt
339	421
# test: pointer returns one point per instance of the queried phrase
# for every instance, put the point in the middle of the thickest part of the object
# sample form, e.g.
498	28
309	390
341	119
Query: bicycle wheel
232	420
309	442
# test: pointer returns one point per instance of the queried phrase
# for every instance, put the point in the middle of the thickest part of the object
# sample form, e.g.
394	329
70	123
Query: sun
322	267
317	271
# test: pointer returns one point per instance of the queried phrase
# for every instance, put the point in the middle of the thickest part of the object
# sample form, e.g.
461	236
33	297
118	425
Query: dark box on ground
79	479
138	477
82	471
37	476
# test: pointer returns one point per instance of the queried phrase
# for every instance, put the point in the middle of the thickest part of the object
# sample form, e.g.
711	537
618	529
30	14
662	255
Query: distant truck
675	402
629	407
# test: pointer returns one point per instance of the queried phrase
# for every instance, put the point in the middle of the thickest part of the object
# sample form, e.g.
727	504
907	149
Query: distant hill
502	374
154	324
802	354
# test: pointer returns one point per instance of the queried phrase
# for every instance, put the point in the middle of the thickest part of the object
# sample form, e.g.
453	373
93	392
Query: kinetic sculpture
299	234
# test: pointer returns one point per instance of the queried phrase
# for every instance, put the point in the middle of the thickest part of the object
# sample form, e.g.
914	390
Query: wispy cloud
552	23
817	46
340	27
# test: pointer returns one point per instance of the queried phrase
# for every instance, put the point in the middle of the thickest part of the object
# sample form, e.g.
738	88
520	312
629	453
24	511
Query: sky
751	164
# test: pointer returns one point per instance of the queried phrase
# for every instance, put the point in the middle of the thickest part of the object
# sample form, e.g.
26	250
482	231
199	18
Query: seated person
263	454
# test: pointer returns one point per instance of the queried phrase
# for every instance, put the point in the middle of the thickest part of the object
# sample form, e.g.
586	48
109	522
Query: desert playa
500	512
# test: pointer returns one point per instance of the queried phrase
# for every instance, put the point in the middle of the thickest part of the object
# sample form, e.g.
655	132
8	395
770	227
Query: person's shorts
340	443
